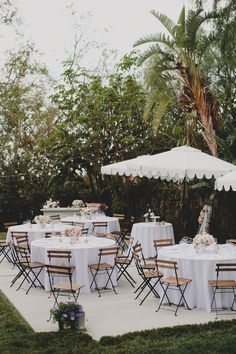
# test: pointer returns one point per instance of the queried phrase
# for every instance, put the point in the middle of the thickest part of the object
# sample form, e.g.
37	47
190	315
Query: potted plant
69	315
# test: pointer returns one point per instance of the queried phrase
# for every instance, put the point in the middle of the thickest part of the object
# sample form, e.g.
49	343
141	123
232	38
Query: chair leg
152	289
164	295
109	274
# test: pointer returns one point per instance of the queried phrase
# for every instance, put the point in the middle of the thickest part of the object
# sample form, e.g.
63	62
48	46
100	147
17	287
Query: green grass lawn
17	337
3	235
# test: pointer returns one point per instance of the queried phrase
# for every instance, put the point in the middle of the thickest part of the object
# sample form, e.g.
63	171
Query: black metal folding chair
99	226
172	283
104	268
162	243
150	279
223	286
5	250
123	262
30	271
67	287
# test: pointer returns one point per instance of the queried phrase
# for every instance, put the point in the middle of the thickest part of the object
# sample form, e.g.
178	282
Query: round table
200	268
146	232
112	223
83	252
35	231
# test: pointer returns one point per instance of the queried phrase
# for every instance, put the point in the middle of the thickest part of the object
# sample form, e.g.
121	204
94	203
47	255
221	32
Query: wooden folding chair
59	255
51	233
21	238
162	243
99	225
55	217
30	271
103	268
123	262
8	224
67	287
223	286
5	249
84	232
150	279
137	248
67	222
172	283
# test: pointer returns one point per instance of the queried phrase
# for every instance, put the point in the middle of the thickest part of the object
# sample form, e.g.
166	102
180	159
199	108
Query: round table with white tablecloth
200	268
112	223
146	232
83	252
35	231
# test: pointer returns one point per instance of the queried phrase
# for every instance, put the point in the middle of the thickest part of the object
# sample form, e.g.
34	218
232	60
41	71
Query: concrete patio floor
108	315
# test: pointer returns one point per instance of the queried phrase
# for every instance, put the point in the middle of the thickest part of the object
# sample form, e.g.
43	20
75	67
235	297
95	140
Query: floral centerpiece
74	232
204	240
41	219
77	203
68	315
51	204
88	211
148	216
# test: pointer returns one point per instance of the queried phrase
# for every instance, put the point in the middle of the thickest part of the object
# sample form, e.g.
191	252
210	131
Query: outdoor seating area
117	176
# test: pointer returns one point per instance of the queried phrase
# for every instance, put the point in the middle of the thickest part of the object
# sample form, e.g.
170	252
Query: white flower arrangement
149	215
41	219
51	204
77	203
87	211
74	232
203	239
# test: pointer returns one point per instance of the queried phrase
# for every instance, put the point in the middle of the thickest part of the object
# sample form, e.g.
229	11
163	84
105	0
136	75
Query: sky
105	24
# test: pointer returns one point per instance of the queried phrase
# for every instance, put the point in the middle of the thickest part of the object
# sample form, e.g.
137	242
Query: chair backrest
62	255
137	248
55	271
172	265
100	225
119	216
224	267
20	238
52	233
84	232
67	222
9	224
55	217
108	251
233	241
162	243
22	255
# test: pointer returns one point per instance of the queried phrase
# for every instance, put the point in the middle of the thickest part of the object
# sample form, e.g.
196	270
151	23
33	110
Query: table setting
84	250
199	265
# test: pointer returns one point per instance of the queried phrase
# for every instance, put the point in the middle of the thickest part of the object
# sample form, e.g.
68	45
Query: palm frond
152	50
158	37
165	21
180	28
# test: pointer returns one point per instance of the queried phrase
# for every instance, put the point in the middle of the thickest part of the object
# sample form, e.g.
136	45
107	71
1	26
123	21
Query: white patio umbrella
226	182
178	164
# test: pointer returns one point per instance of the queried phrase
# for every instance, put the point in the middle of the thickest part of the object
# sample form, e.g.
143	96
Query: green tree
175	74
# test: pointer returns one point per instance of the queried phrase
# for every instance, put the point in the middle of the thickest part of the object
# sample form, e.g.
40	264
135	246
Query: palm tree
175	66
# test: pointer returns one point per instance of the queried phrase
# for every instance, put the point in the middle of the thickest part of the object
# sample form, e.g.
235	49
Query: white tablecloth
82	254
112	223
200	268
146	232
35	231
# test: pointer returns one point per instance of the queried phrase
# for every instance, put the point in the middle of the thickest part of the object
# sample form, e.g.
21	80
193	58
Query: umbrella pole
184	198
